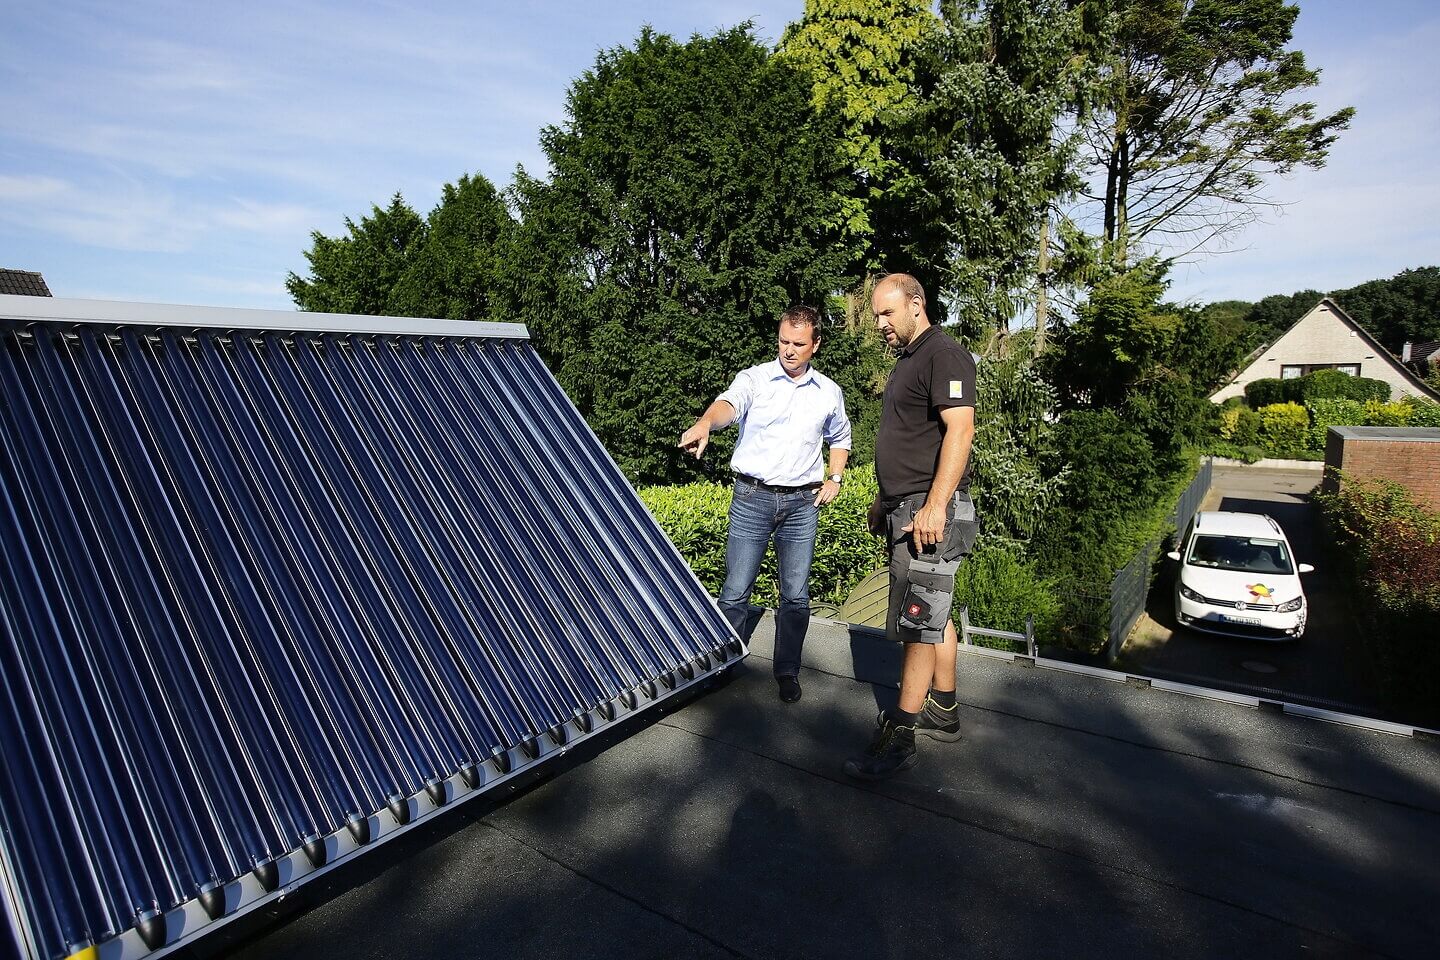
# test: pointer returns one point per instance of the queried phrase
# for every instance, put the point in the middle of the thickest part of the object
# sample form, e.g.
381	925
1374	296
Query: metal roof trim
66	310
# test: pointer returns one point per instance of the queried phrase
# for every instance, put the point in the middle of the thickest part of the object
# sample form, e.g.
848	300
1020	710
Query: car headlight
1189	594
1292	605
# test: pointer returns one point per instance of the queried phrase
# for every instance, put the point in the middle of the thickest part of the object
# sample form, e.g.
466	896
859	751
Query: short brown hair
802	315
908	285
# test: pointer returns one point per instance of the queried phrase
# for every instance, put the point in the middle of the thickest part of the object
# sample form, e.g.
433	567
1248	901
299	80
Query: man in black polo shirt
922	460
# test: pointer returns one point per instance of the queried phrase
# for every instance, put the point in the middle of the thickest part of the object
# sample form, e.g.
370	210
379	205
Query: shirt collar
913	345
777	372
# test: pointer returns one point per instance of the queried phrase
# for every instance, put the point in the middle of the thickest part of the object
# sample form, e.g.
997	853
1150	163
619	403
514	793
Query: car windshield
1246	554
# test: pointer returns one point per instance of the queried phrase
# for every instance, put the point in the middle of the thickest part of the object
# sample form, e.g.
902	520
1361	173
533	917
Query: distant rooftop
1417	434
23	283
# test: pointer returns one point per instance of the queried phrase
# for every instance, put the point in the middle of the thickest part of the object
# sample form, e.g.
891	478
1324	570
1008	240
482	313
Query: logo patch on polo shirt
957	389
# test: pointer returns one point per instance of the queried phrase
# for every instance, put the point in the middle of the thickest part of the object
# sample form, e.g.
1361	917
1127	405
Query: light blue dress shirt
783	421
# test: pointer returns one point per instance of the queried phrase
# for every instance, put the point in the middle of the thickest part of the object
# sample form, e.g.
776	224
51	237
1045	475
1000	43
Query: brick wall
1414	464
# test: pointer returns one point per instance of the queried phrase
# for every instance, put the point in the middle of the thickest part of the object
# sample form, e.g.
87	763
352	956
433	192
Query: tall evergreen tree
984	155
459	271
356	272
694	193
451	265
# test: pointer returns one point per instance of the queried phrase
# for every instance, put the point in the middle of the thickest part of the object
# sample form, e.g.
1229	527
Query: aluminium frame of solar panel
281	587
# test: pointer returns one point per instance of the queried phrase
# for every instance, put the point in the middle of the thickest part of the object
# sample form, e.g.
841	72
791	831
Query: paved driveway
1327	667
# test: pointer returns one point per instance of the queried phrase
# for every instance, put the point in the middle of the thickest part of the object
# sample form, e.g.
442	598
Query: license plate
1251	621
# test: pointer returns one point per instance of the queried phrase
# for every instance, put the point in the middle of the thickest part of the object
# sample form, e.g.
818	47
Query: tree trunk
1122	218
1042	301
1111	172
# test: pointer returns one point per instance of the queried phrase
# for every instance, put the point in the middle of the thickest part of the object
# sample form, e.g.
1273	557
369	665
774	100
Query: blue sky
183	152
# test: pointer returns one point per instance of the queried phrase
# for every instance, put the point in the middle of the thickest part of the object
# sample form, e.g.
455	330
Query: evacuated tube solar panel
276	588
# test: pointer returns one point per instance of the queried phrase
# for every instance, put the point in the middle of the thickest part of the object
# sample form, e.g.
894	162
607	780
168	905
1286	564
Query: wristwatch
835	478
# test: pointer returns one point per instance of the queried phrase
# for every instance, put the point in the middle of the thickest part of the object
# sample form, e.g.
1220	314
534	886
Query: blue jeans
755	517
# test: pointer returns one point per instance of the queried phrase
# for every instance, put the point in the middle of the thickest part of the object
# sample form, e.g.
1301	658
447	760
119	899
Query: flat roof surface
1422	434
1078	818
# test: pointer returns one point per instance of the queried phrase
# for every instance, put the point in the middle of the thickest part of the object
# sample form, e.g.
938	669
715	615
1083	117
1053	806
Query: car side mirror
1173	554
1306	568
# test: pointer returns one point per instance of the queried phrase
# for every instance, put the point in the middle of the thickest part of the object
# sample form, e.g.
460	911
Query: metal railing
1130	589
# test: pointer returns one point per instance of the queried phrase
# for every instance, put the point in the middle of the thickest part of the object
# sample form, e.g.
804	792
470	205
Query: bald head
909	286
899	306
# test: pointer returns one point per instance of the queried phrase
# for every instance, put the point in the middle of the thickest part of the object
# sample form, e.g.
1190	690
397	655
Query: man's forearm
838	458
954	454
718	415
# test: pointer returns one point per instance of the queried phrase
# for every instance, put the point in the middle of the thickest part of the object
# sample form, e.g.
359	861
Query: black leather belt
774	487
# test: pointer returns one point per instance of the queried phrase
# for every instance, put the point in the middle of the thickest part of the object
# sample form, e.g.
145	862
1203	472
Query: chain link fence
1131	586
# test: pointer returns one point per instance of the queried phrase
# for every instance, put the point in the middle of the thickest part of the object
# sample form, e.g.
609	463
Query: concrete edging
1272	464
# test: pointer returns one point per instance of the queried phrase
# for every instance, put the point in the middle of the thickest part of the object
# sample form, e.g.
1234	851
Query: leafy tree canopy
694	194
860	56
1405	307
1199	110
355	273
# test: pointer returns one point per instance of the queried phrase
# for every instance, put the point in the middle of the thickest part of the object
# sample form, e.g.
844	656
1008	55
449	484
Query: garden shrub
1380	413
1423	413
1247	428
1364	388
1233	451
1395	541
695	516
1229	420
1236	427
1283	427
1263	392
1392	547
1001	586
1327	413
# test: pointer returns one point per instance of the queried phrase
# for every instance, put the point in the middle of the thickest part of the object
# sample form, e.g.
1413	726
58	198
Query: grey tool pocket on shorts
929	592
961	531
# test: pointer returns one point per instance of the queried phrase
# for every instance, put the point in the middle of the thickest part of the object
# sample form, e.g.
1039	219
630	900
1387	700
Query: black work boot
942	723
892	750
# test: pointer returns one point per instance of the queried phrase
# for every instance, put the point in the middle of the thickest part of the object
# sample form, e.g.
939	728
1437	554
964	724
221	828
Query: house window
1351	368
1290	373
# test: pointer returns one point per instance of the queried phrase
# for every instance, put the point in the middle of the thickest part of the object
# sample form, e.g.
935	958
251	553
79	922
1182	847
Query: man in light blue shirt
785	409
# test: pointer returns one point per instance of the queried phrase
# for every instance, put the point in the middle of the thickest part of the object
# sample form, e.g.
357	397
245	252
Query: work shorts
922	585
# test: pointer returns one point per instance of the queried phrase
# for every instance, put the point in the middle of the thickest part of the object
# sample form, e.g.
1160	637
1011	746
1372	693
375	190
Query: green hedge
1425	413
1325	414
1320	385
1334	385
1283	427
695	516
1388	548
998	582
1263	392
1002	586
1276	426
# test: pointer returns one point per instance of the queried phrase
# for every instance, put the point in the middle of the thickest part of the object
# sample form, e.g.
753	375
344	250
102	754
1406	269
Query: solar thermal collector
279	586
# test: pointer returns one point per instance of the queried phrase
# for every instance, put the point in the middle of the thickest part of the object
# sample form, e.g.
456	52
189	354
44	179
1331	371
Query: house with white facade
1326	338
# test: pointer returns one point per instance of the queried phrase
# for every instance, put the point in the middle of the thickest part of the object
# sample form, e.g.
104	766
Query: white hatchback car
1238	576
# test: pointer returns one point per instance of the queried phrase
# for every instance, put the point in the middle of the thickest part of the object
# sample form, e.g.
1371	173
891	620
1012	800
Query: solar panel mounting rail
282	586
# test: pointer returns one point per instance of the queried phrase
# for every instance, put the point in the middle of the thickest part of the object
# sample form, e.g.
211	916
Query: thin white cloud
30	188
